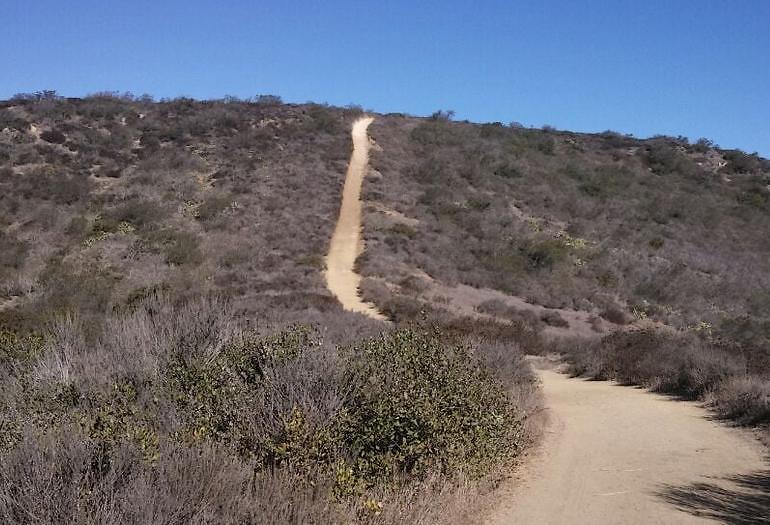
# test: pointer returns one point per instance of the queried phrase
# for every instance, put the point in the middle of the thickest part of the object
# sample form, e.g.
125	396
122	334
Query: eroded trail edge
346	244
621	455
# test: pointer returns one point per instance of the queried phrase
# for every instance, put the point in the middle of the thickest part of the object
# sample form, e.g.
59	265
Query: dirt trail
621	455
346	244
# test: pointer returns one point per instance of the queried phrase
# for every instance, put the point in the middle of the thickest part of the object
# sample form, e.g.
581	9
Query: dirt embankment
346	244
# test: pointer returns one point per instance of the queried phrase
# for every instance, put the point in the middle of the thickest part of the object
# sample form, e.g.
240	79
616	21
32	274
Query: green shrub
545	254
17	351
507	171
403	230
46	184
325	120
13	253
656	243
53	136
554	318
615	315
418	404
702	145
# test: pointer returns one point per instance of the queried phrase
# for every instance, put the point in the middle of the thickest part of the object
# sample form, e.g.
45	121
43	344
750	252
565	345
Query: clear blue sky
696	68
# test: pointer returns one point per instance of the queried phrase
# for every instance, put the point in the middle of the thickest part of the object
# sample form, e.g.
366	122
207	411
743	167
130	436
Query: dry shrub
615	315
554	318
134	345
498	308
67	478
745	399
677	363
169	413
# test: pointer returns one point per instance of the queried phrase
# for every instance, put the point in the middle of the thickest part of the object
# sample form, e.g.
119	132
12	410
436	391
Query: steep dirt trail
621	455
346	244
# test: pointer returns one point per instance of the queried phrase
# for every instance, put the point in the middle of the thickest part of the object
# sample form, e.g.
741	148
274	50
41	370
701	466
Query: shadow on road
744	500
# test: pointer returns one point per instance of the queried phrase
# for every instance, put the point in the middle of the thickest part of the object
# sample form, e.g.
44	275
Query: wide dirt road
620	455
346	244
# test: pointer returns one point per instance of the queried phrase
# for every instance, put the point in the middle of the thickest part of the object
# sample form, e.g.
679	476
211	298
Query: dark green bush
323	119
418	404
545	254
53	136
553	318
46	184
13	253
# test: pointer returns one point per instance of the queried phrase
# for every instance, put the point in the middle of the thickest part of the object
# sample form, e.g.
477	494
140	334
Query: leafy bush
45	184
13	253
615	315
323	119
498	308
545	254
664	159
165	388
418	405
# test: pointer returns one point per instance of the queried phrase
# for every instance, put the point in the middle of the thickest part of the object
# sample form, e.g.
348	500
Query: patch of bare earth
346	244
620	455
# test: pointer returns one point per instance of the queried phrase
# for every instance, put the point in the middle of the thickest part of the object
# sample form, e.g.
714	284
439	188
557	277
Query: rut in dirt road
346	244
621	455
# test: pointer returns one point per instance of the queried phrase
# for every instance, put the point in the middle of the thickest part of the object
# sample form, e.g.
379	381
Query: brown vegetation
155	259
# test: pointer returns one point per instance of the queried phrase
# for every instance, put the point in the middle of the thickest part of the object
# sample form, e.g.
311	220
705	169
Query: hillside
122	197
620	227
163	307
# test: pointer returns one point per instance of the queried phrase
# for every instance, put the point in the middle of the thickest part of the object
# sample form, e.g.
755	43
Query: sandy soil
620	455
346	244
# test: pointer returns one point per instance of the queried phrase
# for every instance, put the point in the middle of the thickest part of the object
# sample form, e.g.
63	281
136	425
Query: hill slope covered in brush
163	307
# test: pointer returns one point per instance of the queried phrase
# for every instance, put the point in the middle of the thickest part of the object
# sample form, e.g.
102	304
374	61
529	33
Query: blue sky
697	68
